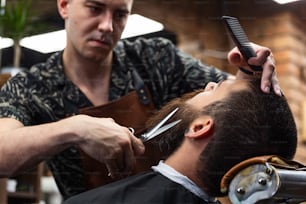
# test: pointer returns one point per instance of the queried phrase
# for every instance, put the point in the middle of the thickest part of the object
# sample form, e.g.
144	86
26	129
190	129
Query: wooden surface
3	197
4	78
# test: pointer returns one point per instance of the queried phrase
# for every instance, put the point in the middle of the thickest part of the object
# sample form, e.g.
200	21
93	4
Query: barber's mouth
101	43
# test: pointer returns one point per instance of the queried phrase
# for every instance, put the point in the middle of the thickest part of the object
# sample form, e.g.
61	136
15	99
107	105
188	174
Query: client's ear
200	128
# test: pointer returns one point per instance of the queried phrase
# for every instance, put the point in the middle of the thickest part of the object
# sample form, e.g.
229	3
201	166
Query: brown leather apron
131	110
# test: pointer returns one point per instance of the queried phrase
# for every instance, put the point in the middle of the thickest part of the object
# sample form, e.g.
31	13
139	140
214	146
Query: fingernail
280	93
267	89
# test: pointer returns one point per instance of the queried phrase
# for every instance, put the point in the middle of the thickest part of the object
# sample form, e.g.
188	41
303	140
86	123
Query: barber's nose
210	86
106	22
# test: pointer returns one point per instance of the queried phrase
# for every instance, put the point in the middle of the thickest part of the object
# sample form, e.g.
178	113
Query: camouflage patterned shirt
41	94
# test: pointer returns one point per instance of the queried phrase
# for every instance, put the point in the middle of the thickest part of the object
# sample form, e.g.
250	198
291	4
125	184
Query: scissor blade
160	131
152	131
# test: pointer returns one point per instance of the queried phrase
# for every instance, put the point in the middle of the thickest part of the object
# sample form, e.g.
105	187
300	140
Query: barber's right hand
108	142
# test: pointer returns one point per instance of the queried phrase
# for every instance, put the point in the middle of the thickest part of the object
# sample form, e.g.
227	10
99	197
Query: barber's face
94	26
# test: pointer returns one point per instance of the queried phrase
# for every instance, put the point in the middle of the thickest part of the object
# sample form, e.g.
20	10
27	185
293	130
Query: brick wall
285	35
196	23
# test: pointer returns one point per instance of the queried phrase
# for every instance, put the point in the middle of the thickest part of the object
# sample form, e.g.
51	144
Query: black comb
240	39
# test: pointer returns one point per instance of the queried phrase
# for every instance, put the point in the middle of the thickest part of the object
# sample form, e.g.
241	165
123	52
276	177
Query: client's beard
170	140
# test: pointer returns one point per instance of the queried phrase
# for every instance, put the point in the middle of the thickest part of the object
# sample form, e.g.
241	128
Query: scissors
159	128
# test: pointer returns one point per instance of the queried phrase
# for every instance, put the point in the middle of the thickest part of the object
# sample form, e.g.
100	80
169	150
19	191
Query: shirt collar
177	177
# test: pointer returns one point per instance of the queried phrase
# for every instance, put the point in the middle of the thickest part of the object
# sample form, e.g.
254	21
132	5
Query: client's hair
247	123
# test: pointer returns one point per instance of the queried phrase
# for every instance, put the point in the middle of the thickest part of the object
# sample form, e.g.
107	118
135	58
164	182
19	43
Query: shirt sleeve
18	99
13	101
172	72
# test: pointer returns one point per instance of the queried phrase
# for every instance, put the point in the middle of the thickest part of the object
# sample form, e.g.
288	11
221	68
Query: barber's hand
108	142
265	59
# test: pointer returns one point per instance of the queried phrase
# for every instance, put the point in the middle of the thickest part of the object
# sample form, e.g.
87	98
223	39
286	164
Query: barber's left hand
265	59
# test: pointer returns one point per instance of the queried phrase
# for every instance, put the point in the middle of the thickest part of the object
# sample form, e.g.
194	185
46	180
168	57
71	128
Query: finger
261	57
129	159
270	65
266	80
112	168
116	161
275	84
137	146
268	75
131	147
235	58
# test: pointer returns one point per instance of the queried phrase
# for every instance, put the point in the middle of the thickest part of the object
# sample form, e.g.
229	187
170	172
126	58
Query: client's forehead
220	92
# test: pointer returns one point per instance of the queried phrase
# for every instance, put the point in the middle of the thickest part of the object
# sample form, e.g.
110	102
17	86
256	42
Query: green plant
14	23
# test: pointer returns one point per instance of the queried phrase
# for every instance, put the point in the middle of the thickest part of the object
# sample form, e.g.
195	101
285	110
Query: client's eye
210	86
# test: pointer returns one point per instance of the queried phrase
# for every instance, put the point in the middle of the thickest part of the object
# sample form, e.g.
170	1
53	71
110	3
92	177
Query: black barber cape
145	188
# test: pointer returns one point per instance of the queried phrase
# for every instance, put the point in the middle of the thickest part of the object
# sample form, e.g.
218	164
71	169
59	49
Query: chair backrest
4	78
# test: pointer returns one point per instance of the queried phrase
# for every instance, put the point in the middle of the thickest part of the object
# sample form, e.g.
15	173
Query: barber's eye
121	15
94	8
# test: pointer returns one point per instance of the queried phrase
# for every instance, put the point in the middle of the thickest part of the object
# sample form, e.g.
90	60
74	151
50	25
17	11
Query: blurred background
195	27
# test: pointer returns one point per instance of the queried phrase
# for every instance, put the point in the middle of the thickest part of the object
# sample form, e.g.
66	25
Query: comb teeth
240	39
237	32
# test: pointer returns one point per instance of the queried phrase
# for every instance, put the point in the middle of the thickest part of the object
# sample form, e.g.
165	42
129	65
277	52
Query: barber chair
266	180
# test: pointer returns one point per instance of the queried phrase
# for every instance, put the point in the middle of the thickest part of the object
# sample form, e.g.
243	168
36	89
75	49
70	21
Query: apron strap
140	88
